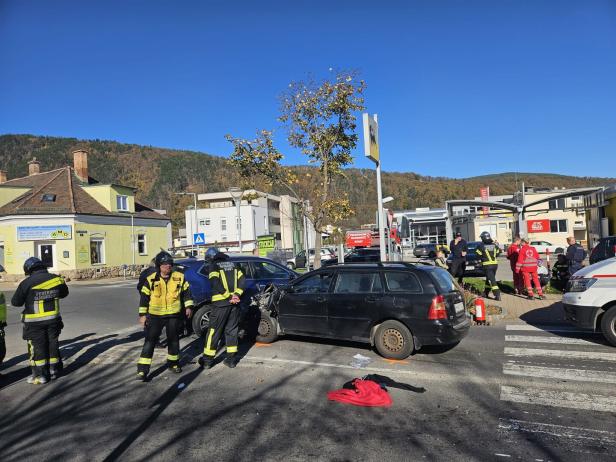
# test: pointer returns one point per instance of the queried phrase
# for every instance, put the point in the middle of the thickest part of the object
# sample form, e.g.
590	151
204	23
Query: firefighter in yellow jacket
164	297
227	282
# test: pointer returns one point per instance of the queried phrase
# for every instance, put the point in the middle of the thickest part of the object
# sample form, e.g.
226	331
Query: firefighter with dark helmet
227	282
165	295
40	293
488	251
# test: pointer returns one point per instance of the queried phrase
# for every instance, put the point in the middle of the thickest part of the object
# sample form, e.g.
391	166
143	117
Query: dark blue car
259	272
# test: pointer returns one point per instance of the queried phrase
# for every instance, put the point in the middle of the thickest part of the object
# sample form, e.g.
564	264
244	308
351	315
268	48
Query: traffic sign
199	238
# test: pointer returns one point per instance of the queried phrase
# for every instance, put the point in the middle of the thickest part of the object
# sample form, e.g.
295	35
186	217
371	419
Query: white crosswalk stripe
579	378
543	339
558	373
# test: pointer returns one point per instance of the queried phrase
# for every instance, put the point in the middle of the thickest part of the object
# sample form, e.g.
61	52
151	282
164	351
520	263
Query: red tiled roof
70	197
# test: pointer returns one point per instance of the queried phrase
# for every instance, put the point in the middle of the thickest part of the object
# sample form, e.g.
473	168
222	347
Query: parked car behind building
604	249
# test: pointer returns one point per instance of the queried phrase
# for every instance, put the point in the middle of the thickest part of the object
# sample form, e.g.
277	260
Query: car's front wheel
201	320
608	325
393	340
267	330
291	266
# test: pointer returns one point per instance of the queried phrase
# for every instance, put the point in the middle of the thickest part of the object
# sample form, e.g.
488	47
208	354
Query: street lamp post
196	223
236	195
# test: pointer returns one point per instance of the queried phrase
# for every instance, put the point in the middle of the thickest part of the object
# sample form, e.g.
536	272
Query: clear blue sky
462	88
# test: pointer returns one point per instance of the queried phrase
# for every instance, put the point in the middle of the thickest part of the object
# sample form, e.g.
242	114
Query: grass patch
478	285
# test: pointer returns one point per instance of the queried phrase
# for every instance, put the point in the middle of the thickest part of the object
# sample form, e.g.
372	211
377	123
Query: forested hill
158	173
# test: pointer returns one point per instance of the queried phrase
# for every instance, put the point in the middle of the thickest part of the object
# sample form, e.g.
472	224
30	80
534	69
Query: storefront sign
266	244
44	233
538	226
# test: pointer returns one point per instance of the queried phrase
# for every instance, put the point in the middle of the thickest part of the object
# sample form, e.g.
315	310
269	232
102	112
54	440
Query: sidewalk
518	308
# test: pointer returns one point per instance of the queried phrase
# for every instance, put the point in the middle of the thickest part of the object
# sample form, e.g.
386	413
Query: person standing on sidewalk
458	249
575	256
489	251
512	256
164	296
41	292
528	261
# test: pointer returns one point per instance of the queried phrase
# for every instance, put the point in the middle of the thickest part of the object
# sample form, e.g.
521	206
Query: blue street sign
199	238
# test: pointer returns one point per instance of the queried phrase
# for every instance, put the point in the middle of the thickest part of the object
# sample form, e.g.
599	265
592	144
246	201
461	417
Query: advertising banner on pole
485	196
266	244
371	138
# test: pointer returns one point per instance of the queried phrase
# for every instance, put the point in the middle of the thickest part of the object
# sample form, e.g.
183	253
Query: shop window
97	251
141	244
122	203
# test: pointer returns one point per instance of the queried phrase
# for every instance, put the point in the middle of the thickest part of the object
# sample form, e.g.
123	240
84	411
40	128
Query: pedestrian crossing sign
199	238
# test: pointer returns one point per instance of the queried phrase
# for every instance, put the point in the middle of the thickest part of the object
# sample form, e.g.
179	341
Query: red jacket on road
527	259
512	255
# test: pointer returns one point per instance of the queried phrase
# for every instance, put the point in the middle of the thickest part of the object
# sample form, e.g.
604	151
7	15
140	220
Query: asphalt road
510	392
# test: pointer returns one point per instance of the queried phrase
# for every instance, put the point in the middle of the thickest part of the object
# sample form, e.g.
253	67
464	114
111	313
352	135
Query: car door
300	259
265	273
303	308
355	304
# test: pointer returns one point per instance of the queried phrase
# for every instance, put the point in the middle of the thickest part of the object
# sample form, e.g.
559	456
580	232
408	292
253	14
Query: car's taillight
437	310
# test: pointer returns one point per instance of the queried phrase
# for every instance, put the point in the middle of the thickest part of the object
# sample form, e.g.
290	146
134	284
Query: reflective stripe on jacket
226	280
165	298
2	310
527	259
40	293
488	254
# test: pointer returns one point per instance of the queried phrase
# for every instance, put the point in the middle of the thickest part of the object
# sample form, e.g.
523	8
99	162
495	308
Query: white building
261	214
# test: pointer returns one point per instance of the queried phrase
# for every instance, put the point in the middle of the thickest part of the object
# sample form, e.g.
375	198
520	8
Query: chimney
34	167
80	164
2	176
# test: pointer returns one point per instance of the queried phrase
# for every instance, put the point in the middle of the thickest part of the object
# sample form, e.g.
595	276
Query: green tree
321	120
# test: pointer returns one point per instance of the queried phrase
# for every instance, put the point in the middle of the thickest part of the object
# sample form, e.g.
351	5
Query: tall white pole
238	204
132	235
196	219
379	193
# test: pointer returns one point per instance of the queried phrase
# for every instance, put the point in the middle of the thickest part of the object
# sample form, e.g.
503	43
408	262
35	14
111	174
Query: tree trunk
317	249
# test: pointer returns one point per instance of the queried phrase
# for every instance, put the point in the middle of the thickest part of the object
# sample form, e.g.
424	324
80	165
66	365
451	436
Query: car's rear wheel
267	330
291	266
201	320
393	340
608	325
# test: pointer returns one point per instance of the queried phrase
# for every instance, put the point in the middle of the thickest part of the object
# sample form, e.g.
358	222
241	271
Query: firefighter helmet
485	237
163	258
211	253
32	264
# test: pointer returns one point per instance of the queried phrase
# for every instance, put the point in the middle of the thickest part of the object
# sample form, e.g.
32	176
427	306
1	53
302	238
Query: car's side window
356	282
398	281
318	283
265	270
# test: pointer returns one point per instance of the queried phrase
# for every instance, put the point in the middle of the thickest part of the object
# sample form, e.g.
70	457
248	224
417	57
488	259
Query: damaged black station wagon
396	307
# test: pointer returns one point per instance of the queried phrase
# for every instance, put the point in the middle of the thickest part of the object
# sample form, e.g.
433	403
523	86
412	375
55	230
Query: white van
590	300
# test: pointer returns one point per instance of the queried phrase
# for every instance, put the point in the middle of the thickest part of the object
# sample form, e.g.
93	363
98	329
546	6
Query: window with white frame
141	244
558	226
97	251
223	224
206	222
122	203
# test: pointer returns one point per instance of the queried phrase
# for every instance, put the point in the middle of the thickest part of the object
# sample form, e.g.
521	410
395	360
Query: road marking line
543	339
603	436
548	328
337	366
558	398
519	352
558	373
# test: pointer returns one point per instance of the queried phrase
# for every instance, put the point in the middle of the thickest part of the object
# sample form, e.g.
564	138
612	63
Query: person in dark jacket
458	248
40	293
2	326
489	251
227	282
575	256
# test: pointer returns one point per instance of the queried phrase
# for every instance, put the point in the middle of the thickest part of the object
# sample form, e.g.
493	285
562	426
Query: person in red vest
527	264
512	255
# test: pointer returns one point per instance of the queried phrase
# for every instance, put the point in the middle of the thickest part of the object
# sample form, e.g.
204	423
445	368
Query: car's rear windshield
444	281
